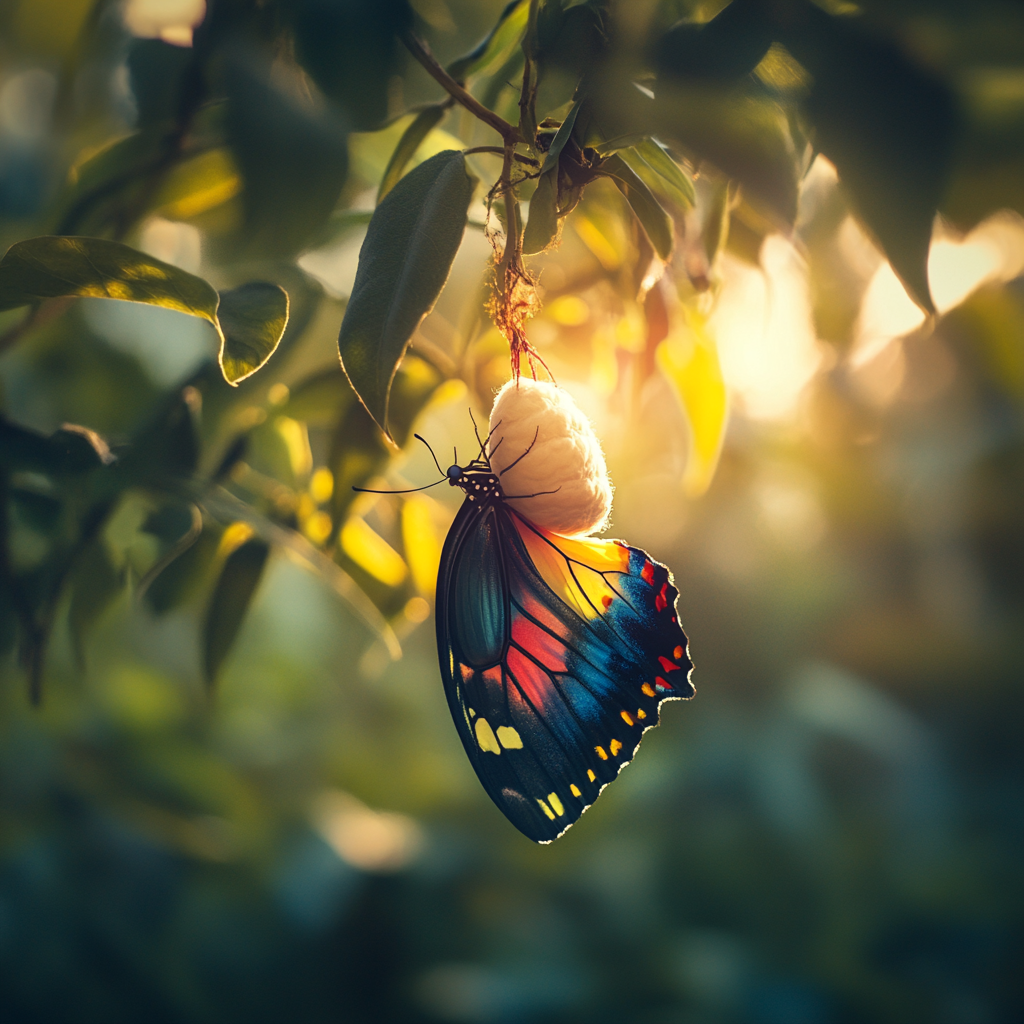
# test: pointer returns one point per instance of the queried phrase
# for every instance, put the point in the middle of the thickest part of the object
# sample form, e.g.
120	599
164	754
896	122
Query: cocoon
566	459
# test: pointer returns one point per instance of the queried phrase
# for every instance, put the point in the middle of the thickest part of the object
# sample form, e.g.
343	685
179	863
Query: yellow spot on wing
640	713
616	747
485	736
591	775
574	790
601	753
626	717
648	689
556	804
472	713
547	810
509	738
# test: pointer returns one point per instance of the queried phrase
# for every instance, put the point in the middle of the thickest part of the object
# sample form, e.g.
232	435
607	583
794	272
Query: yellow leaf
372	552
689	360
197	185
422	542
233	538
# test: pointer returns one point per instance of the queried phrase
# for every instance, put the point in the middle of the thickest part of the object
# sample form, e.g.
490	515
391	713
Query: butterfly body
556	655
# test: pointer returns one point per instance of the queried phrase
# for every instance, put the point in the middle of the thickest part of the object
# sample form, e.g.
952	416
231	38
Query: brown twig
420	50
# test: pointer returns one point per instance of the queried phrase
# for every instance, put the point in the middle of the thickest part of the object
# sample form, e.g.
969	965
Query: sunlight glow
993	251
762	322
378	841
169	20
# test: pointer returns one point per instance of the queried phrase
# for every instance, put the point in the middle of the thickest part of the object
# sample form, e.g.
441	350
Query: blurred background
830	832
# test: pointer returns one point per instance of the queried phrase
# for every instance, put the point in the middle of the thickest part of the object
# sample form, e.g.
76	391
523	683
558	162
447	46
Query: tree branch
421	52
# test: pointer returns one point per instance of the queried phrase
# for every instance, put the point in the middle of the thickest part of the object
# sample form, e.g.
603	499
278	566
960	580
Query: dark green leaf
723	49
293	157
421	126
654	220
403	264
183	577
166	449
496	47
54	266
71	449
747	137
888	127
350	50
155	71
542	226
253	318
232	595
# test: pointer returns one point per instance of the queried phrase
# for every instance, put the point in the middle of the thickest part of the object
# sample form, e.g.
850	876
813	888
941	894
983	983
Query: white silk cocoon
566	458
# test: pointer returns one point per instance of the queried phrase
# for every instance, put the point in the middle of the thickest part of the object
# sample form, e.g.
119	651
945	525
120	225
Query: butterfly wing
556	656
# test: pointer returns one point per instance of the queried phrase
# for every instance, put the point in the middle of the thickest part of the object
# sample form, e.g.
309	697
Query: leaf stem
421	52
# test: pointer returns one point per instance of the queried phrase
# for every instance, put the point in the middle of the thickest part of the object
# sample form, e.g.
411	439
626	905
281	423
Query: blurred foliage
774	247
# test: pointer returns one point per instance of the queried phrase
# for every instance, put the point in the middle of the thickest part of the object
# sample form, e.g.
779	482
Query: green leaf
293	157
561	138
888	127
54	266
252	318
497	46
619	143
670	179
418	130
747	137
654	220
542	226
403	265
183	577
232	595
723	49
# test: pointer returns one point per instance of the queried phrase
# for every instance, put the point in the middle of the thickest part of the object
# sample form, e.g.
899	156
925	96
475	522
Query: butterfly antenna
491	434
432	455
536	434
407	490
477	432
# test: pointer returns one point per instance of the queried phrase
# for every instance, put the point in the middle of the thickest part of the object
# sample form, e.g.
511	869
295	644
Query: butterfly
556	654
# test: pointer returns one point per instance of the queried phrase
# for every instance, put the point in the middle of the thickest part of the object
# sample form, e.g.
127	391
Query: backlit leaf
421	541
654	220
404	262
372	553
253	318
54	266
670	180
689	360
887	125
